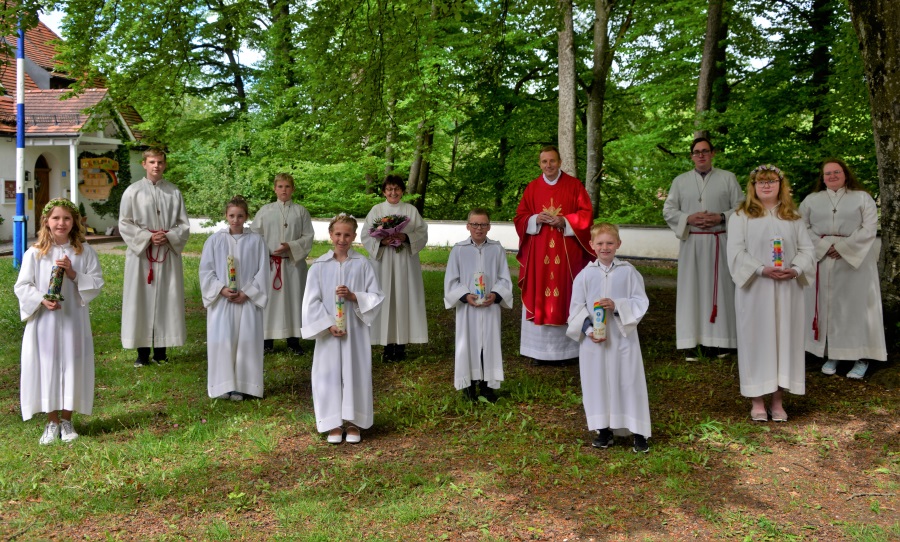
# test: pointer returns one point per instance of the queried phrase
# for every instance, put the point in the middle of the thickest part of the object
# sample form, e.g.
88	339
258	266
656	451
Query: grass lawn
159	460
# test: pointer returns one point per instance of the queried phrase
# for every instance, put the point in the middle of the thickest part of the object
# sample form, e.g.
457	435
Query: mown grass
160	460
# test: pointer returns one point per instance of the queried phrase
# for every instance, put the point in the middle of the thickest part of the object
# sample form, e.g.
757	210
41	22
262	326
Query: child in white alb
608	302
477	284
341	300
234	283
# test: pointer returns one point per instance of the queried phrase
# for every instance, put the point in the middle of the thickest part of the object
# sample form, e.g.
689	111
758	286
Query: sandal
336	435
759	415
779	415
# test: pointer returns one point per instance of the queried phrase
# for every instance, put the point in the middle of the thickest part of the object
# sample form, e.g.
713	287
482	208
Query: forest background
458	96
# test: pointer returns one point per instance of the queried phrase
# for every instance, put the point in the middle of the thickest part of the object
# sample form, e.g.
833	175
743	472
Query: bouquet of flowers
388	226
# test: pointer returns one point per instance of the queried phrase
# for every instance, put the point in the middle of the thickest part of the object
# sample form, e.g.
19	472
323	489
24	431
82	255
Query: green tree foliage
348	90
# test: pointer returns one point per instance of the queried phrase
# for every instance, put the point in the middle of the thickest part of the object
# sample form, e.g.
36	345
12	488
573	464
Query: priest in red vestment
553	222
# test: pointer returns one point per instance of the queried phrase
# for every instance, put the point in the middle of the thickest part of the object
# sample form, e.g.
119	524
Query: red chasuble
550	261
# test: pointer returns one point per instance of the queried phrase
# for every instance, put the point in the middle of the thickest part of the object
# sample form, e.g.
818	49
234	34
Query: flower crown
768	167
61	202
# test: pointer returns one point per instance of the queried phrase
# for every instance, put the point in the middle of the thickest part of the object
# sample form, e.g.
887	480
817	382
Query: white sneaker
67	432
859	370
830	367
51	433
224	396
237	396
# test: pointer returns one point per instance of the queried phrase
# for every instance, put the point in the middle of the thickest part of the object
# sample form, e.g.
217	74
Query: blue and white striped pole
20	221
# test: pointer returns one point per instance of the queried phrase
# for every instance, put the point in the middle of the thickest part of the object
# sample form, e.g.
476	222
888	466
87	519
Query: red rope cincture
154	258
277	283
715	299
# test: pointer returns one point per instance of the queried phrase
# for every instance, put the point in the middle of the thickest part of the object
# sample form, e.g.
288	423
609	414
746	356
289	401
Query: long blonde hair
45	237
753	208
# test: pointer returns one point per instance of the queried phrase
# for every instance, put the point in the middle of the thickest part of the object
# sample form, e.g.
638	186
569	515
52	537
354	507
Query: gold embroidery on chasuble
556	292
547	292
546	260
552	210
552	275
557	260
552	243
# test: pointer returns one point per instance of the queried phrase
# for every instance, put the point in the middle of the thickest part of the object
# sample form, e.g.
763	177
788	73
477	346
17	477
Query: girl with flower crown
60	275
771	260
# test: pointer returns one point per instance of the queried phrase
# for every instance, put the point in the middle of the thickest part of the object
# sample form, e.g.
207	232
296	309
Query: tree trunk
877	25
567	98
420	169
824	30
282	41
708	64
603	57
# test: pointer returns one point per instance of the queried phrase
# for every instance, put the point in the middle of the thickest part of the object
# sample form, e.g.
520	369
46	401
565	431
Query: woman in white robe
478	353
234	318
843	310
402	319
613	383
342	362
57	346
288	231
769	284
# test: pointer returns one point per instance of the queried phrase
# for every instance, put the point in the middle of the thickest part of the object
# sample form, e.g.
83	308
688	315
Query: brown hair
850	180
550	148
153	151
478	211
753	208
344	219
238	201
700	140
395	180
605	227
45	237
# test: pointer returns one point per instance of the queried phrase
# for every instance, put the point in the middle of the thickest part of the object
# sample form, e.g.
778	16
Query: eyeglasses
766	183
703	152
478	225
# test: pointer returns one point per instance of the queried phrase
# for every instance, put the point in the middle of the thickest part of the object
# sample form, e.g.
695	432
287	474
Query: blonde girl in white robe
234	317
57	346
769	284
613	384
843	309
402	319
342	363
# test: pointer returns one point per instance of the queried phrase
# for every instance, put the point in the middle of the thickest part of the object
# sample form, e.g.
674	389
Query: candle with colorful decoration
778	252
54	290
232	273
340	320
599	317
480	289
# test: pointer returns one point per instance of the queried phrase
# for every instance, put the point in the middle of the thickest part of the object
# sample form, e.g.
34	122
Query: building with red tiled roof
57	130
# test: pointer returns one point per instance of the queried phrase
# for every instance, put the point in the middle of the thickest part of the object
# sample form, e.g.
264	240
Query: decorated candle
232	273
599	317
480	290
54	290
778	252
340	320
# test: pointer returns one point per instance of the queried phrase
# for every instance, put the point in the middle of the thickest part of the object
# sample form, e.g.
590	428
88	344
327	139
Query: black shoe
471	392
488	393
400	352
141	363
640	445
269	345
293	345
388	356
161	361
604	439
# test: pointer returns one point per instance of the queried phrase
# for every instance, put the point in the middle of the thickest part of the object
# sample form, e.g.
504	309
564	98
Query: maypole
20	221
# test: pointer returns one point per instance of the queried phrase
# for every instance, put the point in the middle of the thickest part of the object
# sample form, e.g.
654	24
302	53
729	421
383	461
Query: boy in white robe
57	346
234	278
477	284
154	225
288	231
613	384
342	299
